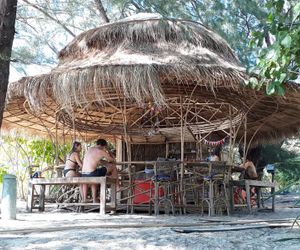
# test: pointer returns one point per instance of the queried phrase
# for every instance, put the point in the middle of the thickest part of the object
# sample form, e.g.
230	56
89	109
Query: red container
142	191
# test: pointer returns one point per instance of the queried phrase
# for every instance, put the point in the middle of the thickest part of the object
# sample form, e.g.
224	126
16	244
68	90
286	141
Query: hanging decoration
214	143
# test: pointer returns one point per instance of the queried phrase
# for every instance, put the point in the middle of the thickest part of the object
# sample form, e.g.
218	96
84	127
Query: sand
59	229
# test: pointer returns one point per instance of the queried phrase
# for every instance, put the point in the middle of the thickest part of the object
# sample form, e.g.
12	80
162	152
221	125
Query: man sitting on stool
93	157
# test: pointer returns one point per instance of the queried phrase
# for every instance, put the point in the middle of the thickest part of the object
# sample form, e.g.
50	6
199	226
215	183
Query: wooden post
128	149
258	196
245	141
211	192
56	142
248	196
230	153
182	154
200	147
167	149
30	194
119	158
272	193
231	198
119	150
42	198
102	196
130	176
156	193
113	201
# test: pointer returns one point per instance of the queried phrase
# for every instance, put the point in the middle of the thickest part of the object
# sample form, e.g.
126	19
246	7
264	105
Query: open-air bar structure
148	79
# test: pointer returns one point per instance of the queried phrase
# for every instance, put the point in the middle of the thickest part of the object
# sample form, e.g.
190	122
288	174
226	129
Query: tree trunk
102	11
8	10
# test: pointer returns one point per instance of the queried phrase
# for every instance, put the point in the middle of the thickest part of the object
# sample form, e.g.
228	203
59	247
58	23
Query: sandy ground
58	229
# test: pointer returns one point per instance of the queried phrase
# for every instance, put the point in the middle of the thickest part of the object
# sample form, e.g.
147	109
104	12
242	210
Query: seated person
216	154
250	169
73	163
94	157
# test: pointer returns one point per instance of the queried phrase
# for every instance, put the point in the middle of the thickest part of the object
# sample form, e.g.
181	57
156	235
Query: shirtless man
94	157
250	170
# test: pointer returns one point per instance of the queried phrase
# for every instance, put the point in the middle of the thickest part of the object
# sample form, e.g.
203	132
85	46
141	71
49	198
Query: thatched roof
138	72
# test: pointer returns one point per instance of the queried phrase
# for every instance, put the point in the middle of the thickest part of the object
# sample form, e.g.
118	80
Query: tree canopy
278	44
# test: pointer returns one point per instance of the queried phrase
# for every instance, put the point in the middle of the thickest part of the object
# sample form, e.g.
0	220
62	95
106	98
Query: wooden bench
247	184
103	182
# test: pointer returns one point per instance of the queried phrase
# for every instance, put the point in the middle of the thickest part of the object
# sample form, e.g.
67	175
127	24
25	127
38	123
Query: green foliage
287	163
41	150
22	152
45	27
17	153
279	45
288	172
3	171
44	151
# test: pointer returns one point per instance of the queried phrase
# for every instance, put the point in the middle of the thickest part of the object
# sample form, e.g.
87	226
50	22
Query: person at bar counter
94	158
216	154
250	169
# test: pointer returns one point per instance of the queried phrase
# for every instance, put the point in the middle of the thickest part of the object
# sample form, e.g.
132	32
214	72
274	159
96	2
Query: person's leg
73	173
84	188
94	193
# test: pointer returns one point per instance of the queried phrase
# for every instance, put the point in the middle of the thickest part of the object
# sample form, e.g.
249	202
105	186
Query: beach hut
151	79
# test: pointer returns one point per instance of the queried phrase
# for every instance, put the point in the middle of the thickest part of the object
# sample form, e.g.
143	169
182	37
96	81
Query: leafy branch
279	61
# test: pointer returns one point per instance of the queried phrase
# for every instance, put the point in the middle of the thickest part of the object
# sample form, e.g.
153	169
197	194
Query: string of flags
214	143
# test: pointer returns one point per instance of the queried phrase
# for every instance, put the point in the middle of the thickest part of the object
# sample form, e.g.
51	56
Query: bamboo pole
167	149
129	157
245	140
203	223
223	229
181	153
230	153
119	158
200	147
56	141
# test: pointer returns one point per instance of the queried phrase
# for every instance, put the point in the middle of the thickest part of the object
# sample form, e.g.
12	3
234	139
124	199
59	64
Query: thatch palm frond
108	76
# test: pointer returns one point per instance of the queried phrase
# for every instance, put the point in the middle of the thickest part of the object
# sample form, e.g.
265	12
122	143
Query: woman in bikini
73	162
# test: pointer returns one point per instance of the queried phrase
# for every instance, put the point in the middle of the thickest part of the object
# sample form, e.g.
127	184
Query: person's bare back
93	157
250	170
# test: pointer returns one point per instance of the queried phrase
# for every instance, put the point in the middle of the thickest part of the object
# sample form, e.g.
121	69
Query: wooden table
247	184
101	181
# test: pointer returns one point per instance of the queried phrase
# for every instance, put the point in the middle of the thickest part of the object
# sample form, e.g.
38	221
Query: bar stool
214	190
164	184
165	180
